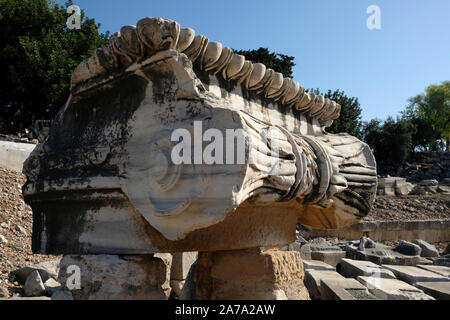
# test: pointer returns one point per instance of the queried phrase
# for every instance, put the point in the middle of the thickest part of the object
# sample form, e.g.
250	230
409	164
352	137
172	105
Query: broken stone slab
51	286
381	254
317	265
393	289
34	287
408	248
181	264
344	289
442	270
430	182
101	277
46	269
252	274
354	268
313	281
438	290
412	275
428	250
330	257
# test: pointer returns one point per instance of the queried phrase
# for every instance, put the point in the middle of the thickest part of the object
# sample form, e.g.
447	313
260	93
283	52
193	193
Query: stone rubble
403	278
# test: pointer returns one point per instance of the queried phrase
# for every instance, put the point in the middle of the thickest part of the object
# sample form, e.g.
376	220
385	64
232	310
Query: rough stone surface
313	281
438	290
428	250
412	275
353	269
344	289
181	264
250	275
393	289
317	265
142	277
34	287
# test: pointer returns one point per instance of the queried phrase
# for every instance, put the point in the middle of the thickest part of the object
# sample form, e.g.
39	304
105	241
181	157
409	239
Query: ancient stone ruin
106	193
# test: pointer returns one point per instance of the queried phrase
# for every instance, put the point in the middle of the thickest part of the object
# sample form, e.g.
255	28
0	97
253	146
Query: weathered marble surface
104	181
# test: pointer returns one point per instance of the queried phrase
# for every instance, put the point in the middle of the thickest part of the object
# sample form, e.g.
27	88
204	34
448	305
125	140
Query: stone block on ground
46	269
393	289
51	286
34	287
113	277
408	248
442	270
330	257
181	263
381	254
313	281
317	265
355	268
412	275
428	250
344	289
438	290
443	260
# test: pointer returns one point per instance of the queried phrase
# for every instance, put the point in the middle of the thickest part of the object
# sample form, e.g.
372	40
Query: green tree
432	108
390	141
276	61
39	54
350	118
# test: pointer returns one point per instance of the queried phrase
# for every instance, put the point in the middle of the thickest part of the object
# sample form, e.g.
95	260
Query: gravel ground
406	208
15	226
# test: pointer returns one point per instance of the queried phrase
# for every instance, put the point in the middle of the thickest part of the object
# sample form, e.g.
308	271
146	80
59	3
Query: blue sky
332	46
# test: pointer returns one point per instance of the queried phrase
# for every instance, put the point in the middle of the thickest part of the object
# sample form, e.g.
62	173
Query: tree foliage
276	61
39	54
350	118
390	141
430	112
